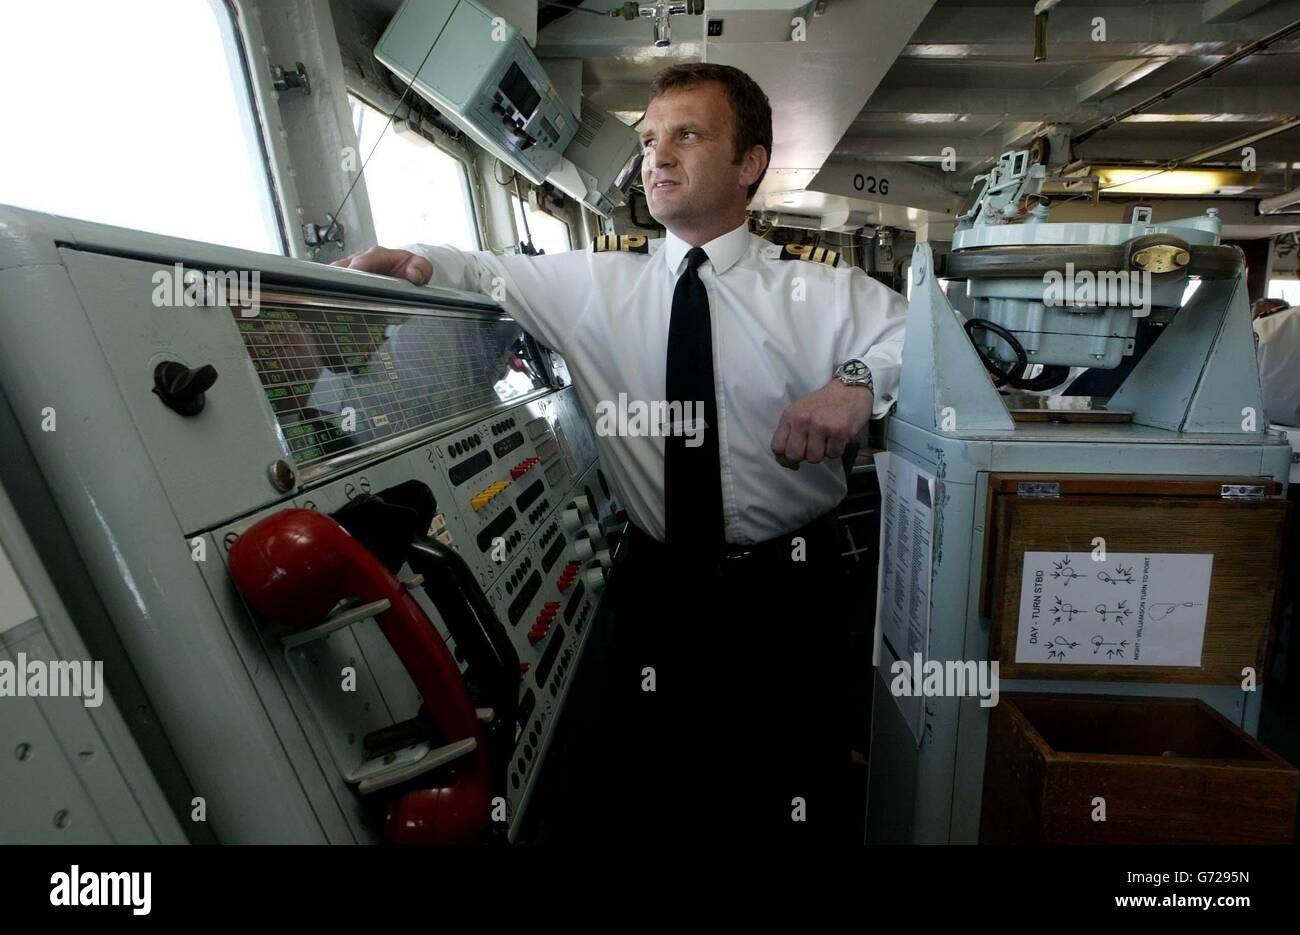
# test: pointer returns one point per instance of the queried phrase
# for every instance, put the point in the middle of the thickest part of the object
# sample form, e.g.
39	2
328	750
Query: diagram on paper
1133	609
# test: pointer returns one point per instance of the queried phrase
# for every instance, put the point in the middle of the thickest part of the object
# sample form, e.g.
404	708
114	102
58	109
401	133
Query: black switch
182	388
715	27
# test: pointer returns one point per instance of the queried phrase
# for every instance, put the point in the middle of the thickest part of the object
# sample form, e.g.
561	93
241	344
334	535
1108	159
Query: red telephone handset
294	567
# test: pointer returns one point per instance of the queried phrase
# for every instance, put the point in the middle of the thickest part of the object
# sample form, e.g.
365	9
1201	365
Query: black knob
181	388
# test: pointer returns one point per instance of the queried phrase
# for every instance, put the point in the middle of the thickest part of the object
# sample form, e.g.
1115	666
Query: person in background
1277	334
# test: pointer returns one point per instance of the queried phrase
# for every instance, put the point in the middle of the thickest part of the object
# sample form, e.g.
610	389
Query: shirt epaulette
625	243
806	251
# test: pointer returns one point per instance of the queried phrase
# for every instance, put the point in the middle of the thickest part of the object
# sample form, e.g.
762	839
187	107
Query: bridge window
418	193
134	114
550	234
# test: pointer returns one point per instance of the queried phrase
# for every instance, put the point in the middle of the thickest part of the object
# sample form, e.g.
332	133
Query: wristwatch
855	372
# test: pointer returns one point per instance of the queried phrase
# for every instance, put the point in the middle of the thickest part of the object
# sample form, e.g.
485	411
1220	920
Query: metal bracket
1042	490
318	235
1242	492
295	80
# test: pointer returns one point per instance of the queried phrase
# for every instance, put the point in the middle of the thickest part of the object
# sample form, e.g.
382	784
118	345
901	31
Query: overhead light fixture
1153	180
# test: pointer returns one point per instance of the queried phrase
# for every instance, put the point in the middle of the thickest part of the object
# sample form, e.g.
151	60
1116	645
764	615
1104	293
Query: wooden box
1170	771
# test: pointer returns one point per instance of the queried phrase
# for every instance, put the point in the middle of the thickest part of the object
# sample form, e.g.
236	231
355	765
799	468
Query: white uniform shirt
780	328
1279	364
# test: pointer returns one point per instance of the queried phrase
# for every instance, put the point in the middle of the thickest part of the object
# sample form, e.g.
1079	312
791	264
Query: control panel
350	538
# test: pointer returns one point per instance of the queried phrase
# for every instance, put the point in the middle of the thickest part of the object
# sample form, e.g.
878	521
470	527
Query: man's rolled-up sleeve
545	294
873	317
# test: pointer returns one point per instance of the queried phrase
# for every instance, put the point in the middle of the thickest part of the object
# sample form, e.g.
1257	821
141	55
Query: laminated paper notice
1133	609
903	588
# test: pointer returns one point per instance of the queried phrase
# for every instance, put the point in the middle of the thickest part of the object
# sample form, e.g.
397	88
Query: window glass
550	234
418	193
134	114
1286	289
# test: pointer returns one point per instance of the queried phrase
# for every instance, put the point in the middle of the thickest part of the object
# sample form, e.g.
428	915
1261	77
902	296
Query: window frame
239	57
524	206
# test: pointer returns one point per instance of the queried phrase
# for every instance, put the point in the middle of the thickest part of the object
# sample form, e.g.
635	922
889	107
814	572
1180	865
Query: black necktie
692	473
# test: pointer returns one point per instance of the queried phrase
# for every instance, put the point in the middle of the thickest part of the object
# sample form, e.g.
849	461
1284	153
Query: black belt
819	537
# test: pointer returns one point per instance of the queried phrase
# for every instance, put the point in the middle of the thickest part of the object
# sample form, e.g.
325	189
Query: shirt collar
724	252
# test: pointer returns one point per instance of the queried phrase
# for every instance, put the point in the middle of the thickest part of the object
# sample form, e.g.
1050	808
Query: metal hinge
1242	492
1040	489
295	80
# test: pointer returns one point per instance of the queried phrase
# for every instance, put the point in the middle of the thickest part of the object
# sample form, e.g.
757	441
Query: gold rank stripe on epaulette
806	251
625	243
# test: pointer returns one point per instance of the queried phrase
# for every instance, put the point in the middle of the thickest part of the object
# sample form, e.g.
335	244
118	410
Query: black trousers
723	697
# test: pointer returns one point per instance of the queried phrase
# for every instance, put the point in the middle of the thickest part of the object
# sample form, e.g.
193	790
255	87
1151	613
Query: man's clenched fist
821	424
388	262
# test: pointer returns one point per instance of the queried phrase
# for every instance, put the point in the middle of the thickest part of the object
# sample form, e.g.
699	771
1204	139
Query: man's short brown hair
751	112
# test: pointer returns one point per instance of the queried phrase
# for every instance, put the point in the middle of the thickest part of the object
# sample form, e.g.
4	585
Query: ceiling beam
966	32
1229	11
1108	79
1270	153
1262	103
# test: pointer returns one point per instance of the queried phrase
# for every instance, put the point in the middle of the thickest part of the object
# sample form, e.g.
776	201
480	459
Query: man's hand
821	424
388	262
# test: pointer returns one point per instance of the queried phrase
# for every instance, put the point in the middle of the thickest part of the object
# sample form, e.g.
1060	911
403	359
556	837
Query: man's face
688	171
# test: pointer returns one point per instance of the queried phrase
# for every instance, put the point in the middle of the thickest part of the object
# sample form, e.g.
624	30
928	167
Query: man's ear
752	165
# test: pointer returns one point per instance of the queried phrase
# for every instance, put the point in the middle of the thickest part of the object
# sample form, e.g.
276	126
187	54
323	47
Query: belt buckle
736	561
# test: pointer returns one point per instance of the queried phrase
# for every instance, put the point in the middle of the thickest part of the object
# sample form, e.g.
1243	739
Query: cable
334	218
1258	45
523	213
504	183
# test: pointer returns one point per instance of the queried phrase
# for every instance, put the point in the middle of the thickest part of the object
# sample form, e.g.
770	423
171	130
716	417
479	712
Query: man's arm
545	294
821	424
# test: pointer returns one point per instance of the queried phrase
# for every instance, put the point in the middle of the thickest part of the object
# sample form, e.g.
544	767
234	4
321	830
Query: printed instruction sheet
1132	609
903	589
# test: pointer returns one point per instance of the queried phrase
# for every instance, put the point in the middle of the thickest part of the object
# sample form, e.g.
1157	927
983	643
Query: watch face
855	369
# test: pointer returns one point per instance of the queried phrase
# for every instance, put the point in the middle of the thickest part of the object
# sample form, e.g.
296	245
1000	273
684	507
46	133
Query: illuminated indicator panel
339	380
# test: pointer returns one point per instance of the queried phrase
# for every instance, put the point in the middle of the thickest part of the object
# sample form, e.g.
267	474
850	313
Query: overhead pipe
1278	202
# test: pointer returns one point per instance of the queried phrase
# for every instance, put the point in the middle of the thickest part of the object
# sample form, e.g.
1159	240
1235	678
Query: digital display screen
516	86
339	380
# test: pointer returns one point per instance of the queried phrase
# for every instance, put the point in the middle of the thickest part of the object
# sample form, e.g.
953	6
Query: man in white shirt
1277	333
728	660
